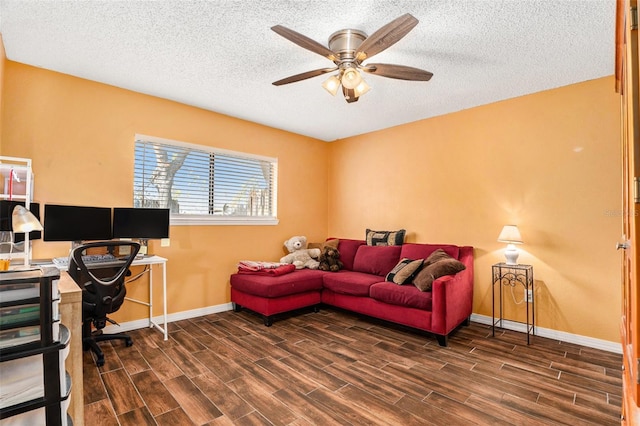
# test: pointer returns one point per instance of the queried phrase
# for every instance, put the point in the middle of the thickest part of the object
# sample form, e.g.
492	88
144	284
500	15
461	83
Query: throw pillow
436	256
333	243
431	272
385	238
404	271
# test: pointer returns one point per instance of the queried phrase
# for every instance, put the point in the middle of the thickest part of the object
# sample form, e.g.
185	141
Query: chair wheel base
91	339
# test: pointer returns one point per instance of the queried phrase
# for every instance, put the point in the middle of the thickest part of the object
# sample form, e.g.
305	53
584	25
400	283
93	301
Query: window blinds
202	181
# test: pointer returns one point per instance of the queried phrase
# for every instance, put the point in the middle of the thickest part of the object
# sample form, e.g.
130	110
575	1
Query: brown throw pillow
329	243
445	266
436	256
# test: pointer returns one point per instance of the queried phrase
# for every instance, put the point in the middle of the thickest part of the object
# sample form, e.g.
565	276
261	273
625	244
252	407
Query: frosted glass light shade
351	78
332	84
23	220
362	88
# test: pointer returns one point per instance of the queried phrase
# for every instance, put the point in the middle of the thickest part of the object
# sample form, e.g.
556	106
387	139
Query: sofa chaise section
269	295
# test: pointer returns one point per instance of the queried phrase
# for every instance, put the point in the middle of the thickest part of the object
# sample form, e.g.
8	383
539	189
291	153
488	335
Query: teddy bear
330	259
299	255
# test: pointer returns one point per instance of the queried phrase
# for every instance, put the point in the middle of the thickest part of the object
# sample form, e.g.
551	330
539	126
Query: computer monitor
140	223
6	212
76	223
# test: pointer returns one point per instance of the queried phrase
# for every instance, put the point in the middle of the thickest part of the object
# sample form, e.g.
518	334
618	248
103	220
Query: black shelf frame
49	348
505	275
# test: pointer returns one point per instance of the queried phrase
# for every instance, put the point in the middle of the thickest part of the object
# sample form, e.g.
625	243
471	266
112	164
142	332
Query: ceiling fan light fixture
362	88
347	49
351	78
332	84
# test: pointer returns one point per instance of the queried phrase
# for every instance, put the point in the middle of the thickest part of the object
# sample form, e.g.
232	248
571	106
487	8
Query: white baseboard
194	313
590	342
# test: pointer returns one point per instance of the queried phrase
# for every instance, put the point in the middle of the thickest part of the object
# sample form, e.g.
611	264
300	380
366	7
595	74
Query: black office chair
103	290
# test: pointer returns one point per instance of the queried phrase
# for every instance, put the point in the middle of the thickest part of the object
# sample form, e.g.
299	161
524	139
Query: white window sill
222	220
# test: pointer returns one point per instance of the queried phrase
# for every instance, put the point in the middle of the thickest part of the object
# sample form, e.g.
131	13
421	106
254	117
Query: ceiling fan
348	49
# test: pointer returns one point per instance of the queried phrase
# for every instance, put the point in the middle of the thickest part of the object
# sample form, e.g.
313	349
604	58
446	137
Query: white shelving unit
16	176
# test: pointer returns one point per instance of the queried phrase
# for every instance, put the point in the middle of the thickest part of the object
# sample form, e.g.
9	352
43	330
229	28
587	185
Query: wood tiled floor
336	368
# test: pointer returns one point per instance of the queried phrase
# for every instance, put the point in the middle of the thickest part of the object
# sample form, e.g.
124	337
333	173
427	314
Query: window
203	185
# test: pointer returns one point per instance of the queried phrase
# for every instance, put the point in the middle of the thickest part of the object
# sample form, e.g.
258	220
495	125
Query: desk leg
150	296
164	299
153	323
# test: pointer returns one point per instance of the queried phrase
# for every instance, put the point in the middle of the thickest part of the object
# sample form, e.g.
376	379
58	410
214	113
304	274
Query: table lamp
510	235
22	220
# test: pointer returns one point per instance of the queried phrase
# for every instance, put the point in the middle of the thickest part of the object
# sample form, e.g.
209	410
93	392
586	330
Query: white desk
142	261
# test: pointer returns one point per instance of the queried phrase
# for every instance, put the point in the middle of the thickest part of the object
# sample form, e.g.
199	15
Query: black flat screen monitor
76	223
6	212
140	223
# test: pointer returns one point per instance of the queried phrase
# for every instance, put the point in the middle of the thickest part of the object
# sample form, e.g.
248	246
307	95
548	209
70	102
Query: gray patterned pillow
385	238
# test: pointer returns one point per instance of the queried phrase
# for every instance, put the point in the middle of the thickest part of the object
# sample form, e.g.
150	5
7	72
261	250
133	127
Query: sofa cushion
385	238
348	249
403	295
376	260
349	282
444	266
299	281
423	251
404	271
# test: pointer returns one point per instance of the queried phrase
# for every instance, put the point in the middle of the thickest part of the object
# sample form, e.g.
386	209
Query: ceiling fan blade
303	76
304	41
400	72
386	36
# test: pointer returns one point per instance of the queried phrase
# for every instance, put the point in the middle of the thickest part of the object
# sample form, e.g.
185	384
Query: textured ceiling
221	55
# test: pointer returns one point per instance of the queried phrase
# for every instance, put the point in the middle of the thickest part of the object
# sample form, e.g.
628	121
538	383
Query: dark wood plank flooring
337	368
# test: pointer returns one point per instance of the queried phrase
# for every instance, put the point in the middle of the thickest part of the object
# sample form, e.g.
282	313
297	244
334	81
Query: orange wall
548	162
80	136
3	59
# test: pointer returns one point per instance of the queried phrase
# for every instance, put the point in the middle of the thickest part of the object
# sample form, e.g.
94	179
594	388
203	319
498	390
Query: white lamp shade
22	220
510	234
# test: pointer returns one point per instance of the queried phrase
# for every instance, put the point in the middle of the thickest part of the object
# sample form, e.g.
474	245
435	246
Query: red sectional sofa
361	287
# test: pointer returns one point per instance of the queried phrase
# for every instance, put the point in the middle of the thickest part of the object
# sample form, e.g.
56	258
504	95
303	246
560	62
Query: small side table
511	275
